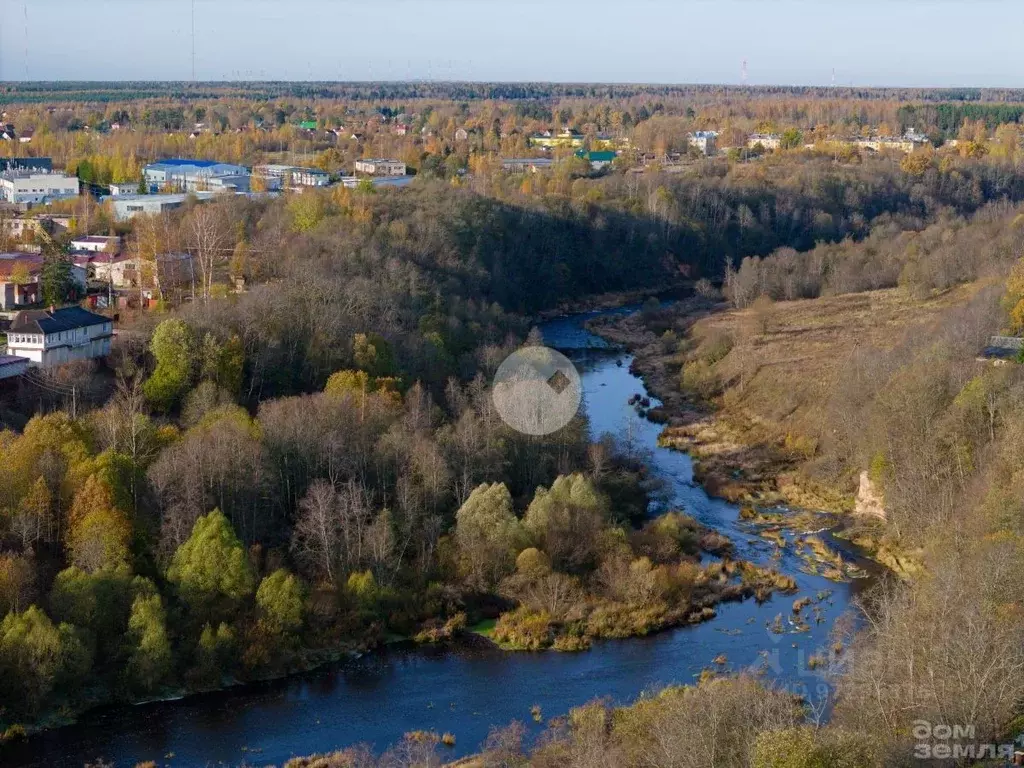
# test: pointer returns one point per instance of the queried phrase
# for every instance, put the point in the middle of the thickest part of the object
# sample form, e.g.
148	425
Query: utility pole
24	8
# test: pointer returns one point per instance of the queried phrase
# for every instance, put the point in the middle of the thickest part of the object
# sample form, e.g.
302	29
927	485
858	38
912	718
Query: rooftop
600	157
278	168
97	239
47	321
32	262
186	161
173	197
34	173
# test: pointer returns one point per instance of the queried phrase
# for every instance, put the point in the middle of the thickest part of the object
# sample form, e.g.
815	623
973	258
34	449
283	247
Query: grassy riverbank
753	394
748	392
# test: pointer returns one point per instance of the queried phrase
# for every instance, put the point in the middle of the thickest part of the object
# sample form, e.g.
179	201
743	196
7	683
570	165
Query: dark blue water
467	691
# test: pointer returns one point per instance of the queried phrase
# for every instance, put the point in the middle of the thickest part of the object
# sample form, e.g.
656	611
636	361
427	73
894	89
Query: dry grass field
768	376
787	358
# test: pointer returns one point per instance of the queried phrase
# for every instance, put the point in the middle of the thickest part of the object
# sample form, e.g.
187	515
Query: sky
784	42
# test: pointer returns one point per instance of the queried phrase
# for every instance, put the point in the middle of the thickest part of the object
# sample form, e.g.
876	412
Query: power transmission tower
24	8
193	42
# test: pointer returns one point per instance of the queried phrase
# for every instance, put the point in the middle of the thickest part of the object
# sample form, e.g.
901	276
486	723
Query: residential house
32	187
49	337
704	141
524	164
127	272
120	271
604	140
19	279
25	137
769	141
380	167
26	227
20	275
7	132
879	143
567	138
598	160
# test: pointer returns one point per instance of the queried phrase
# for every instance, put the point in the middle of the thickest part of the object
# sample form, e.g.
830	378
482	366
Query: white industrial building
129	206
183	175
353	182
49	337
380	167
33	187
119	188
278	176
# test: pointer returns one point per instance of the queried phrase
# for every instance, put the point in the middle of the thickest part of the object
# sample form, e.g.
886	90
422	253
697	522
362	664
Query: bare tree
208	238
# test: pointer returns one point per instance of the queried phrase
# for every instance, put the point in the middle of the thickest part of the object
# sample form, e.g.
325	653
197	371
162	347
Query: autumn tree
173	348
566	521
280	602
150	657
35	656
489	535
211	569
17	582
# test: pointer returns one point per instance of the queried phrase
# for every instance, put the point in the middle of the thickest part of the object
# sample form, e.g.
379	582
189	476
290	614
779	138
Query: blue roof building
186	175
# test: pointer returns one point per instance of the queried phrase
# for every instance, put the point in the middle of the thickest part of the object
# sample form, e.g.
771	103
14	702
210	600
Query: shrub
706	290
699	379
715	347
525	630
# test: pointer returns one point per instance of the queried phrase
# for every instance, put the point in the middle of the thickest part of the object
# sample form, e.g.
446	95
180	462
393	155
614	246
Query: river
467	690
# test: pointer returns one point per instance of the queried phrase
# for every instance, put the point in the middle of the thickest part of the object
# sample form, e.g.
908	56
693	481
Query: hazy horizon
872	43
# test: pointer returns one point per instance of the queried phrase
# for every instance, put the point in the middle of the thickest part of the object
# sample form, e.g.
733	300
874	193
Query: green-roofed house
308	125
598	160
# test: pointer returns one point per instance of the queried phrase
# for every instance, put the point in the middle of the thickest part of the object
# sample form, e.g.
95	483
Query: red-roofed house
19	279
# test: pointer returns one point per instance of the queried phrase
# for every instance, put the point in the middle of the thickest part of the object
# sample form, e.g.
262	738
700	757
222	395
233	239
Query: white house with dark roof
49	337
